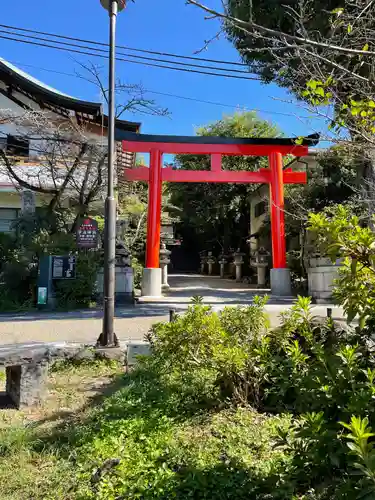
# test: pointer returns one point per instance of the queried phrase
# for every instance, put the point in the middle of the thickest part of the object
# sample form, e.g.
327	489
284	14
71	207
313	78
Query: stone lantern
210	262
261	263
222	261
203	262
123	256
238	261
164	261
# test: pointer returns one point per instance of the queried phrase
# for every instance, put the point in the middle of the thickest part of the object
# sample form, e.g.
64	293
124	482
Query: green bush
319	372
36	236
81	291
341	236
220	348
137	272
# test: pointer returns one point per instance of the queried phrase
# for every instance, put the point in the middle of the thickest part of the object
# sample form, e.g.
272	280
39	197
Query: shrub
220	347
137	272
341	236
312	368
79	292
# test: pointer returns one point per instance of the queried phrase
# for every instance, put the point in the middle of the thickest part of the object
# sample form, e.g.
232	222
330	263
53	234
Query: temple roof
42	93
12	75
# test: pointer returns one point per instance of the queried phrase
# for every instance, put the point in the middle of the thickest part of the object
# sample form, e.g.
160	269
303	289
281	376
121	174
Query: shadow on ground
141	393
130	311
147	401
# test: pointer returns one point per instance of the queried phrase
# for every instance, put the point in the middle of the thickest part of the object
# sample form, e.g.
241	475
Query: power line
103	56
145	58
93	42
166	94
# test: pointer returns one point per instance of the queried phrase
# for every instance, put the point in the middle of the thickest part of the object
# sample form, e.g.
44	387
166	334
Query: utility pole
108	337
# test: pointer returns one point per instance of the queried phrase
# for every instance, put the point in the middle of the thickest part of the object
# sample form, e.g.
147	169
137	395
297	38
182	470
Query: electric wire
102	44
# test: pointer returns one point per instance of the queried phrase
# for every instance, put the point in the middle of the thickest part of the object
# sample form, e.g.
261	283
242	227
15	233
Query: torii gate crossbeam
217	147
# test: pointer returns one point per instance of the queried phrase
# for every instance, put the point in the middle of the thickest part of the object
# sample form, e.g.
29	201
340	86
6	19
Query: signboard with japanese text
87	235
63	267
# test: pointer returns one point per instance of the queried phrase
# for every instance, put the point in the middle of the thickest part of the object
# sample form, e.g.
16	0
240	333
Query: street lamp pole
108	337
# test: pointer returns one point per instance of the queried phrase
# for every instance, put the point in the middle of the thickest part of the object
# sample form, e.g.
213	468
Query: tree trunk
367	184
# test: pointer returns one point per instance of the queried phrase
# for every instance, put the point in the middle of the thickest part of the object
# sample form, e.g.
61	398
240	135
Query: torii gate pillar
281	285
151	278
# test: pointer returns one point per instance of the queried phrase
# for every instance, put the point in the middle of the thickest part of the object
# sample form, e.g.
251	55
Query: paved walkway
133	322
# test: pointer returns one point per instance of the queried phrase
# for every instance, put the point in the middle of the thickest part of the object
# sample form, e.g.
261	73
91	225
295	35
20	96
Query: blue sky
167	25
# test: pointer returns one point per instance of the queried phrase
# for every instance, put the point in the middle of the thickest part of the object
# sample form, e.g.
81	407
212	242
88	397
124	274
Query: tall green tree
324	52
217	216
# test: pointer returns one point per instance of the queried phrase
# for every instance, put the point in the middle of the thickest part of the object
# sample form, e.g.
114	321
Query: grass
105	435
28	470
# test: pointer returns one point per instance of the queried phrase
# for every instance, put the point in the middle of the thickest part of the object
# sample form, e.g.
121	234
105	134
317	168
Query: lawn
105	434
224	408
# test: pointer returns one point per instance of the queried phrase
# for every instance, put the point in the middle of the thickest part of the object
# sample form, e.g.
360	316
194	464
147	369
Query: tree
332	181
324	53
217	216
70	162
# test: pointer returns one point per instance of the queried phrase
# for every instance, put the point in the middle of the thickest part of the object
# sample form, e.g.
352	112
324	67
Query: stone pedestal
281	285
238	262
261	276
222	263
124	278
203	260
261	263
164	261
321	275
151	282
210	263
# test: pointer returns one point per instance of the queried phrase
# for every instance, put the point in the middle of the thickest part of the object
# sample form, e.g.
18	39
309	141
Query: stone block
136	349
26	384
84	354
111	354
281	283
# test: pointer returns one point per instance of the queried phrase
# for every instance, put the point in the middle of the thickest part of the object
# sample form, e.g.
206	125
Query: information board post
45	289
52	268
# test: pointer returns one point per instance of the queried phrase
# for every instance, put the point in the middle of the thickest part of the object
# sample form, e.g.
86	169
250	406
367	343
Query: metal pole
108	337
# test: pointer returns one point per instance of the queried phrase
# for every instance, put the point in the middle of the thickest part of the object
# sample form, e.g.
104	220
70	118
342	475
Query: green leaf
320	91
365	47
312	84
350	28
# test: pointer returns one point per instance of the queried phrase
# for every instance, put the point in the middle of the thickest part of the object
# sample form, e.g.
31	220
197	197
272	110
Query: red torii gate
216	147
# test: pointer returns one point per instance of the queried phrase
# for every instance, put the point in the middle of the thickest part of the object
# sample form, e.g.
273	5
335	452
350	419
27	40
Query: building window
8	217
17	146
260	209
